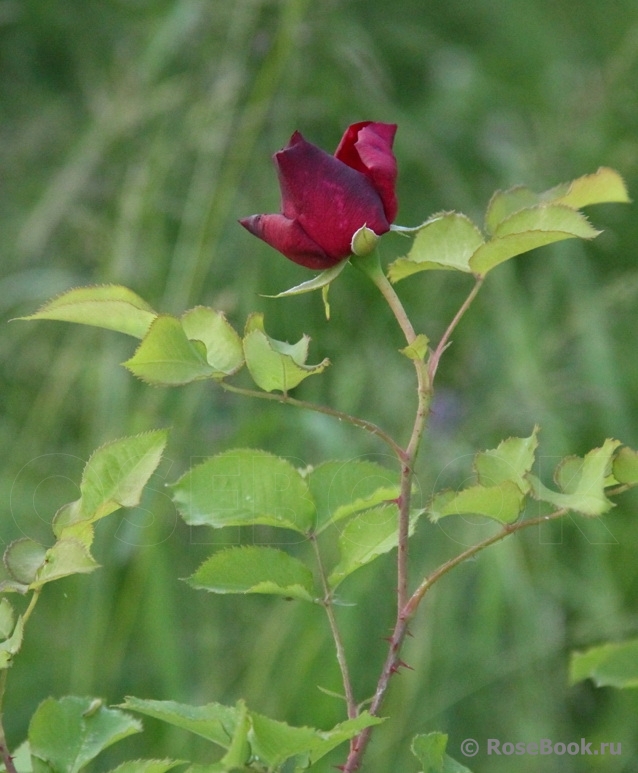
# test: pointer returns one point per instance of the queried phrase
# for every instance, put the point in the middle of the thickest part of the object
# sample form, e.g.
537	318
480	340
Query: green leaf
108	306
582	482
238	730
66	557
316	283
366	537
343	488
167	358
551	218
511	460
529	229
274	742
224	352
147	766
601	187
417	349
625	467
506	203
12	645
7	618
23	558
503	502
430	751
276	365
608	665
253	569
239	750
327	740
114	477
215	722
446	241
68	733
243	487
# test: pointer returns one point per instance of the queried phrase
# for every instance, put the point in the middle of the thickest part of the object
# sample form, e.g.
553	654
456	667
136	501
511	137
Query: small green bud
363	242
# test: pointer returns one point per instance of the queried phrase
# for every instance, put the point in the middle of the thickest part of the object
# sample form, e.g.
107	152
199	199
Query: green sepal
318	282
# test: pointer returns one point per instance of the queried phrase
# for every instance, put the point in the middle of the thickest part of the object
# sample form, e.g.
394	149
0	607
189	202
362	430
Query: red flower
325	199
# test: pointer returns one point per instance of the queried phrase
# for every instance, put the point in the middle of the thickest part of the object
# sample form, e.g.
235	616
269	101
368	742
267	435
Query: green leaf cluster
504	481
201	344
66	735
247	487
516	221
250	740
114	477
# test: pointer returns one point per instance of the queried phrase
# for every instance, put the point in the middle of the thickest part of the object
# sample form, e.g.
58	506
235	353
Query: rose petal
290	239
328	198
367	147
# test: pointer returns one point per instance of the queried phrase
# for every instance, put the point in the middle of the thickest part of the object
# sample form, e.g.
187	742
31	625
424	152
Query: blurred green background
133	134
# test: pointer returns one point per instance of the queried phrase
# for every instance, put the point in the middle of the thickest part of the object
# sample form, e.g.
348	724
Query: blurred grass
133	136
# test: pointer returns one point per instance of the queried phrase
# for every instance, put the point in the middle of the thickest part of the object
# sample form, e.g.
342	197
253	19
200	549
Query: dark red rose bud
326	199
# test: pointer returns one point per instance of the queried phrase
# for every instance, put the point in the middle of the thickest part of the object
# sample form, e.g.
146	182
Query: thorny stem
372	268
425	374
393	663
336	634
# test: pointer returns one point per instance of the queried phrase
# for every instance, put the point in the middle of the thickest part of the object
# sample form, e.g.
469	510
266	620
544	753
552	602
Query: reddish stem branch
393	660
